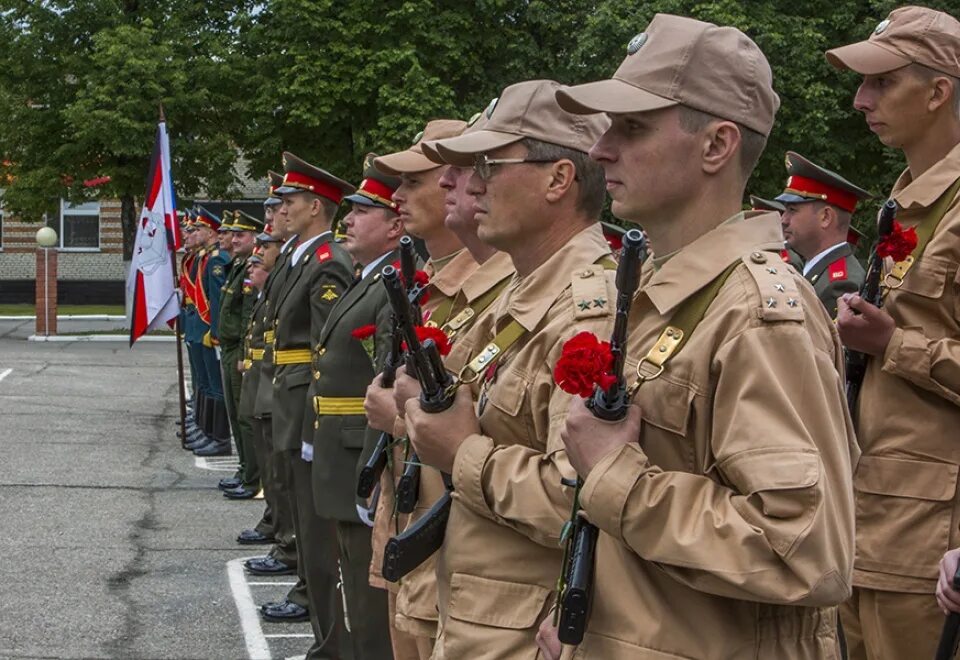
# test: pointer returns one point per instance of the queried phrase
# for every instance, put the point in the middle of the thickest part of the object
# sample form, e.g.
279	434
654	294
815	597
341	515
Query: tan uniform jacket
727	531
908	507
501	556
417	598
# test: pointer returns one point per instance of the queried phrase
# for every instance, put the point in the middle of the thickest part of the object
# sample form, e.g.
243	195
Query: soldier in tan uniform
724	498
537	198
906	482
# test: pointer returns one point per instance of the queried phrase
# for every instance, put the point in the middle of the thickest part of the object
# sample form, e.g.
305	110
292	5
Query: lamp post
46	293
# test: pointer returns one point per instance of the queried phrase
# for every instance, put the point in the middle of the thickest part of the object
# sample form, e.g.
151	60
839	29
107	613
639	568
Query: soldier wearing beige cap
724	498
906	481
537	198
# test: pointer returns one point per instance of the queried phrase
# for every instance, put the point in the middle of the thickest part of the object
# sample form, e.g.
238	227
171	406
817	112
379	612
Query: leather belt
292	356
338	405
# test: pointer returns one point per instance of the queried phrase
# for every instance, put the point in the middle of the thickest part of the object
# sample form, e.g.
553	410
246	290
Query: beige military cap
682	61
908	35
413	160
524	110
429	147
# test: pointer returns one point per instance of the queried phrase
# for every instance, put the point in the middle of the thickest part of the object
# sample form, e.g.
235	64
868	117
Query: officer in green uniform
237	300
318	273
343	367
818	206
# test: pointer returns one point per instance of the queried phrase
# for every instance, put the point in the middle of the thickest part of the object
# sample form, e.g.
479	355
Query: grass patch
29	310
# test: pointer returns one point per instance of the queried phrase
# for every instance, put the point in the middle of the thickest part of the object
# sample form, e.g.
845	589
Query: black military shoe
268	566
240	493
285	612
229	483
200	441
215	448
253	537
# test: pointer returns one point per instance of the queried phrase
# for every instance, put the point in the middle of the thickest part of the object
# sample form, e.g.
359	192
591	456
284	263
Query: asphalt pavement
116	543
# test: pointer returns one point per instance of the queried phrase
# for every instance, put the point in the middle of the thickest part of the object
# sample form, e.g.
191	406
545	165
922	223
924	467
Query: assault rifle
949	637
856	362
610	404
405	552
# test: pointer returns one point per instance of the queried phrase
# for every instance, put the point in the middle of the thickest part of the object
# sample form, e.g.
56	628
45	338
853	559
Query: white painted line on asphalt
5	373
279	635
270	584
257	646
216	463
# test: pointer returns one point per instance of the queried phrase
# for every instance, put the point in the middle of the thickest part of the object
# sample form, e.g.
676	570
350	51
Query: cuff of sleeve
468	472
607	487
906	355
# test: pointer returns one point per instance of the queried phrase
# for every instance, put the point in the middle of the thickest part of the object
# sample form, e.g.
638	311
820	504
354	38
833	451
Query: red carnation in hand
898	244
438	336
364	332
584	364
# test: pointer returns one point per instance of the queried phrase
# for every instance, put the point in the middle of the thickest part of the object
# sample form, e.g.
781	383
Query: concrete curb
70	317
123	338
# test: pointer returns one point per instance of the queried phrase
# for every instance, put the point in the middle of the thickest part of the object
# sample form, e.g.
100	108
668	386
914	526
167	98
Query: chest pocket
502	403
927	277
667	410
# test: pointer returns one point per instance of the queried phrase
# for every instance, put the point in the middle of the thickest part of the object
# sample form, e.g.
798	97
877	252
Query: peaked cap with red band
301	176
808	182
377	188
204	217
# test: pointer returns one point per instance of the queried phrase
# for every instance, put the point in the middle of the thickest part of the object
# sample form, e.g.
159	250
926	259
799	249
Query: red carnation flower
364	332
584	364
438	336
898	244
420	279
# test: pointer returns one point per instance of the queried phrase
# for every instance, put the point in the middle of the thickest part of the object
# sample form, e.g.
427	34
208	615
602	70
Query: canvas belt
256	354
269	336
338	405
292	356
247	364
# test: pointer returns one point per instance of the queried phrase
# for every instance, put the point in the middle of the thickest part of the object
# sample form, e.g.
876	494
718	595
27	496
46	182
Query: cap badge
491	107
881	26
474	118
418	137
787	162
636	43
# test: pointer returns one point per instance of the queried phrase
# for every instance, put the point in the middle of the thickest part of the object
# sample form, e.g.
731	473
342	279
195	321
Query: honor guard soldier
459	297
818	206
419	201
538	199
318	274
282	557
724	497
906	481
210	275
188	312
343	367
237	300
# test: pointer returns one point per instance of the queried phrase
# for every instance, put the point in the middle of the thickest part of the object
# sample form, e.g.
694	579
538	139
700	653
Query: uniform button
274	380
758	258
586	274
316	425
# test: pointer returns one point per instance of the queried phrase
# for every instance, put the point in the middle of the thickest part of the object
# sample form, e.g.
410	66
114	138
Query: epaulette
591	297
779	297
838	270
323	253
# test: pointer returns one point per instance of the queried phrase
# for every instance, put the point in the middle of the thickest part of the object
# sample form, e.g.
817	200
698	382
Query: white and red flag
151	289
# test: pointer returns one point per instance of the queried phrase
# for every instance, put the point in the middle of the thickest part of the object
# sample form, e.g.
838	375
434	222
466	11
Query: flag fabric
151	289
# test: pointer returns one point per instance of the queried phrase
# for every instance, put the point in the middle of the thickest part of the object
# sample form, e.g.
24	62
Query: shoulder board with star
838	270
591	297
780	299
323	253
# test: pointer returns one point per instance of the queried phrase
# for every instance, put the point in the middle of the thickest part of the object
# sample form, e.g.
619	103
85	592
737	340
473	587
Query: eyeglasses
483	166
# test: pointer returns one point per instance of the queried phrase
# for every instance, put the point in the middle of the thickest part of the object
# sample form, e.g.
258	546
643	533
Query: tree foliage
330	80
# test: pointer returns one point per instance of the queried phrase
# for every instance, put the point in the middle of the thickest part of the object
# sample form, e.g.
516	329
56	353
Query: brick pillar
46	306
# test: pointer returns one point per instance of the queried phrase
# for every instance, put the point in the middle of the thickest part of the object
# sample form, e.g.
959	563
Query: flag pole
181	390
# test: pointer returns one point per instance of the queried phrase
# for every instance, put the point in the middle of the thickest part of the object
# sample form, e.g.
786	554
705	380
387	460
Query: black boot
220	432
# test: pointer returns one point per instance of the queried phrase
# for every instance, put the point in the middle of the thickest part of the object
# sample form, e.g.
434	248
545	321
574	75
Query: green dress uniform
237	299
836	273
319	273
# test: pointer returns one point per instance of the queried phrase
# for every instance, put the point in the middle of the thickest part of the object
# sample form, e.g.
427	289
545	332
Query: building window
79	226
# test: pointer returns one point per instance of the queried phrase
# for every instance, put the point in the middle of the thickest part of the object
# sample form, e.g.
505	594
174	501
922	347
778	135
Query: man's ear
562	175
721	144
